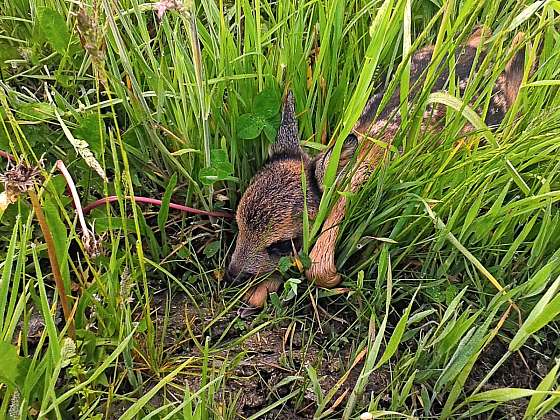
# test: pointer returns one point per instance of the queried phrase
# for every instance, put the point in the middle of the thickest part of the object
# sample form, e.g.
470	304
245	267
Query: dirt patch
520	370
269	365
274	364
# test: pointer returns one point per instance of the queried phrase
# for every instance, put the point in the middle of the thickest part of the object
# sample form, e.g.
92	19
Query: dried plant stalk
53	260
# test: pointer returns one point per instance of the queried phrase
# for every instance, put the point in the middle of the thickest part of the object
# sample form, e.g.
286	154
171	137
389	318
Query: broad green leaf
266	104
220	169
82	148
249	126
37	111
284	264
291	288
450	293
13	369
52	26
105	223
7	52
208	176
223	169
269	131
218	156
211	249
88	130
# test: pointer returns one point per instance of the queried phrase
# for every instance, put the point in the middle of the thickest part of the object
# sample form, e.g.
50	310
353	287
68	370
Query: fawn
269	214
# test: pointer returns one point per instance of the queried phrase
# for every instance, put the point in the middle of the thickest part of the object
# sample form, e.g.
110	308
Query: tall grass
450	253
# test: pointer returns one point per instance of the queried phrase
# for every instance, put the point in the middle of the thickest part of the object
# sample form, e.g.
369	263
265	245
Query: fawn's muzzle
234	275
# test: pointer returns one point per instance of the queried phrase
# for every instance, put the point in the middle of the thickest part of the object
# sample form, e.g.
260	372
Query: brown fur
269	215
259	220
270	212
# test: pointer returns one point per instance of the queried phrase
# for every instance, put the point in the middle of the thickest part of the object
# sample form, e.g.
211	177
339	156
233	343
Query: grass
450	256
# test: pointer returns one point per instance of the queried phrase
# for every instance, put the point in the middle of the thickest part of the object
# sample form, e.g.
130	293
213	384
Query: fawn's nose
236	275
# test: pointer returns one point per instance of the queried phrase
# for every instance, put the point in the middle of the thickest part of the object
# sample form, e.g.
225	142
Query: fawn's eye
282	248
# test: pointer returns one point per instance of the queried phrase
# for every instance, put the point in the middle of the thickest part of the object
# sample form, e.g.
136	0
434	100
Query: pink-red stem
156	202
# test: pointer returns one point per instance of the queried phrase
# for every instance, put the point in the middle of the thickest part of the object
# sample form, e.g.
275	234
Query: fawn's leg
323	269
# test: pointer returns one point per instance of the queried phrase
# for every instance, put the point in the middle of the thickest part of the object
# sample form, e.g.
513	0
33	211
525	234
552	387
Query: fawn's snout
235	275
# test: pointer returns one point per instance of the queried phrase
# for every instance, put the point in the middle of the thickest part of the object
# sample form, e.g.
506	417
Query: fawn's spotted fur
269	215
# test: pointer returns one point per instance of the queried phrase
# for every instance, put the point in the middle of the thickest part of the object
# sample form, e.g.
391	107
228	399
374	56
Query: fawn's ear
479	34
322	160
287	140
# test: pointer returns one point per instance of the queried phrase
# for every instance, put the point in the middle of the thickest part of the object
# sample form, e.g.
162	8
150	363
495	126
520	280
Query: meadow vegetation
450	253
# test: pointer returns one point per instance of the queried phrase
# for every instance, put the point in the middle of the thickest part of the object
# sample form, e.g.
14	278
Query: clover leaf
264	116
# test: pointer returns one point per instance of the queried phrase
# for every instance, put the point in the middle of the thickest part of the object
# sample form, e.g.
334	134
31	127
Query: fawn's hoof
326	277
323	270
257	295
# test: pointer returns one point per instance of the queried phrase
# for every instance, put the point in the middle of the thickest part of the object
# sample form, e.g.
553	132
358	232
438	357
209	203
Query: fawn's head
270	212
